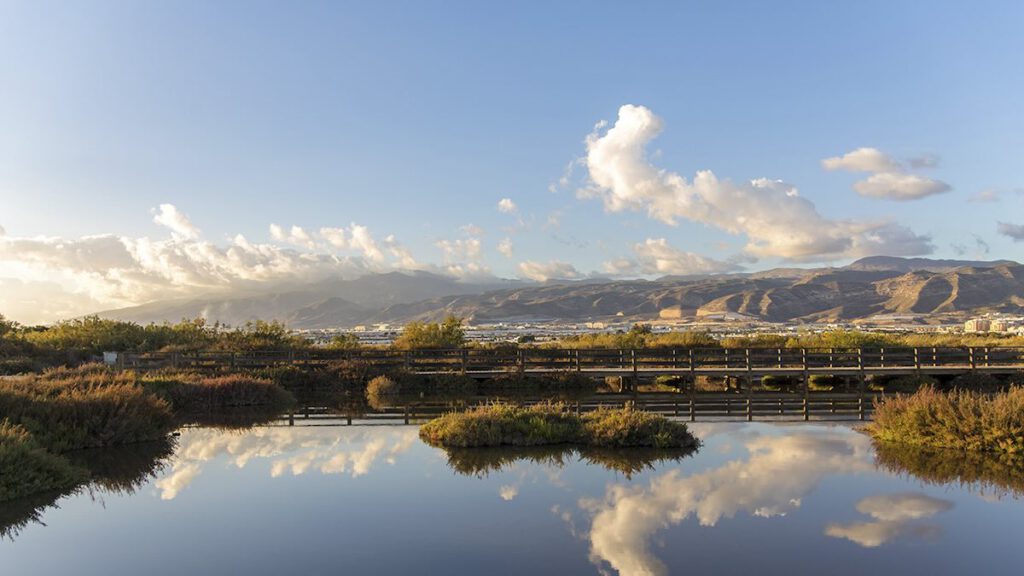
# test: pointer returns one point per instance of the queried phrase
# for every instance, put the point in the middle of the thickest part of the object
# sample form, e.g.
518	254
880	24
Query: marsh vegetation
503	424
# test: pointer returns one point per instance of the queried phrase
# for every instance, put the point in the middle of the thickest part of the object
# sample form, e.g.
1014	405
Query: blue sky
415	119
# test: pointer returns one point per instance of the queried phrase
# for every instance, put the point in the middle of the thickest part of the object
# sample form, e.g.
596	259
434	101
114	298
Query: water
757	498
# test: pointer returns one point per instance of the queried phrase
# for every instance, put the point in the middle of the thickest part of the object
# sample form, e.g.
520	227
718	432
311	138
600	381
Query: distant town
718	326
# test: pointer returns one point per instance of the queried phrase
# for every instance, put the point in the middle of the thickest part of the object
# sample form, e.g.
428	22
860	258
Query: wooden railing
694	361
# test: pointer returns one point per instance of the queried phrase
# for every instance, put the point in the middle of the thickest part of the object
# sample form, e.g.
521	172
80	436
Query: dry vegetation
959	420
501	424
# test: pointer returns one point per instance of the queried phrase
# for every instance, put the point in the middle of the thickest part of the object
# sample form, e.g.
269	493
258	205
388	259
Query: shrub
628	428
780	383
421	335
382	392
200	395
961	419
383	386
68	412
905	384
544	424
27	468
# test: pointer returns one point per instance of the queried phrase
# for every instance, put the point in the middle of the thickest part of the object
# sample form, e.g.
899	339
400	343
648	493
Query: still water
757	498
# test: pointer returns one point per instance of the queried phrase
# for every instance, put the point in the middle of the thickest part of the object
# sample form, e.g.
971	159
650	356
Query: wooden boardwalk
742	362
714	406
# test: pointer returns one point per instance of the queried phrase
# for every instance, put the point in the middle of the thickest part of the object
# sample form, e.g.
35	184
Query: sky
153	150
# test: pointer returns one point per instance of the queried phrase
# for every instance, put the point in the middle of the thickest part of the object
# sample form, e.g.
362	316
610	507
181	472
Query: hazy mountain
868	287
327	303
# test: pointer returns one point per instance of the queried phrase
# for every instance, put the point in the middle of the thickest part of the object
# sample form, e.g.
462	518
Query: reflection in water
894	515
483	461
289	450
779	472
989	473
121	471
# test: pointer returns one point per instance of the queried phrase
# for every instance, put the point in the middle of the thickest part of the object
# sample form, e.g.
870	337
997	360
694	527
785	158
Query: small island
503	424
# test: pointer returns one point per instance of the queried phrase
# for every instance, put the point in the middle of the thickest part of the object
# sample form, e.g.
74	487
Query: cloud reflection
895	515
292	451
779	472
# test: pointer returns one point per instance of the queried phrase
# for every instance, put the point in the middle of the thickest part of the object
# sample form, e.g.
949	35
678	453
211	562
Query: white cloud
863	160
544	271
899	186
361	239
776	220
505	247
1014	231
459	250
168	216
296	236
655	256
83	275
472	230
888	178
507	206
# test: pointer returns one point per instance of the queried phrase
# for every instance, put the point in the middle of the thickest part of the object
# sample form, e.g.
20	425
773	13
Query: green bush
961	419
906	384
424	335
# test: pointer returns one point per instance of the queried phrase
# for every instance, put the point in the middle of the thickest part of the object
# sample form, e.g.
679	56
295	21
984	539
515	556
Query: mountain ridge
865	288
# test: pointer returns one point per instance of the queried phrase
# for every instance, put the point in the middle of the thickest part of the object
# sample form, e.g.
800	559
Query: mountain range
868	288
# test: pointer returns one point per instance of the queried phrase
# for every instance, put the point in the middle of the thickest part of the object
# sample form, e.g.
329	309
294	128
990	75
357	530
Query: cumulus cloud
505	247
779	473
655	256
106	271
889	178
775	219
168	216
544	271
507	206
1014	231
899	186
296	235
894	516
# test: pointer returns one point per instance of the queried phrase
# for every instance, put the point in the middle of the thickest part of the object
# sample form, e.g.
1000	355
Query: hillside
866	288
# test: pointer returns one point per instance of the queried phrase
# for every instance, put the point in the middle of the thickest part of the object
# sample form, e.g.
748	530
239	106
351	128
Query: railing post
917	361
750	386
807	385
636	376
576	355
465	359
970	357
520	361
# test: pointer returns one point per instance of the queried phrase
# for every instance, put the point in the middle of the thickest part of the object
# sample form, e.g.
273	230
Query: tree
345	341
7	327
446	334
